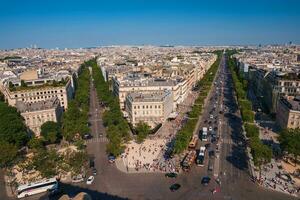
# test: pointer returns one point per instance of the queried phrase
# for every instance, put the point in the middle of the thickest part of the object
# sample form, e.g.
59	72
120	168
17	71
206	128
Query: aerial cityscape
151	100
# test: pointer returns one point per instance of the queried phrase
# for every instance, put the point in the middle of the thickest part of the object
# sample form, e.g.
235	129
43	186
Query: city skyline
75	24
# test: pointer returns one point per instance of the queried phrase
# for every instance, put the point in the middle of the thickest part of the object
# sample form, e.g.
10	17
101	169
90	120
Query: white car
210	128
90	180
211	116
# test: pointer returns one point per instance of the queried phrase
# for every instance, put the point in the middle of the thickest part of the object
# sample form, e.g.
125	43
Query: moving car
171	175
94	171
201	156
175	187
90	180
205	180
111	158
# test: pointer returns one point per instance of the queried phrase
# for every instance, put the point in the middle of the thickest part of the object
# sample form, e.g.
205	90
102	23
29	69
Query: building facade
179	88
33	94
288	112
37	113
152	108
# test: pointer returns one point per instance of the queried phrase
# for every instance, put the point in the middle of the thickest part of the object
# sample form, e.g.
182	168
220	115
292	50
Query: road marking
97	139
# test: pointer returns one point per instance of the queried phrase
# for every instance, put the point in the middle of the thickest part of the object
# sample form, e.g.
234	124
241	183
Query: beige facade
179	88
36	114
288	112
39	93
152	108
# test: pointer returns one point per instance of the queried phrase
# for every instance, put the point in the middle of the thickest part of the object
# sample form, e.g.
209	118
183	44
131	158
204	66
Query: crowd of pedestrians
274	177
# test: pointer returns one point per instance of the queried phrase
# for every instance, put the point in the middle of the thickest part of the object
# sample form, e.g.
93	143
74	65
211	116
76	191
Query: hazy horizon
75	24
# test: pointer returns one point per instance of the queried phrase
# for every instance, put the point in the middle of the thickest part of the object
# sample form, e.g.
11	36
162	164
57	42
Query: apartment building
270	85
152	108
41	92
288	112
37	113
139	83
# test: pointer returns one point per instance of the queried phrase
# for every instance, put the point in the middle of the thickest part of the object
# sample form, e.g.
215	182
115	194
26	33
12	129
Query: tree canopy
8	153
142	130
12	127
290	141
75	119
50	131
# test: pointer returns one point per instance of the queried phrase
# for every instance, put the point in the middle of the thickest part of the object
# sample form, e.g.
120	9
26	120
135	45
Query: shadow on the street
73	190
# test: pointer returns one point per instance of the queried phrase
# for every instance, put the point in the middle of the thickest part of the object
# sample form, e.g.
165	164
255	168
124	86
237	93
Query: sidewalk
8	188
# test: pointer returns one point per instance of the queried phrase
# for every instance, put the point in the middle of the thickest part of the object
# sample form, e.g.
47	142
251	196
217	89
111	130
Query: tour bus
188	160
37	187
200	157
193	142
204	134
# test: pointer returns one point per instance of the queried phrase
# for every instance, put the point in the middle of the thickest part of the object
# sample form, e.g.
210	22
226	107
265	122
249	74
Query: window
150	107
134	107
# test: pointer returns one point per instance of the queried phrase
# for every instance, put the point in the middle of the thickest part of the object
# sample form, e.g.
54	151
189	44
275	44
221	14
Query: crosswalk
97	140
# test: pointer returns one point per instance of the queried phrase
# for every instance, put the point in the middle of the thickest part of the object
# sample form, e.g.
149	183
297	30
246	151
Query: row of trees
261	153
184	135
241	87
116	126
75	119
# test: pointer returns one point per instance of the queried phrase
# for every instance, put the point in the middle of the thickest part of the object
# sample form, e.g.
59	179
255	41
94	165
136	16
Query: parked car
171	175
90	180
175	187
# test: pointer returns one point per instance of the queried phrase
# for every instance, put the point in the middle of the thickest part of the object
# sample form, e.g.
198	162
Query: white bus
204	134
37	187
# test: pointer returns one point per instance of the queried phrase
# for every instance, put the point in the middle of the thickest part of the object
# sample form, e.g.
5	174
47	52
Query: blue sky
65	23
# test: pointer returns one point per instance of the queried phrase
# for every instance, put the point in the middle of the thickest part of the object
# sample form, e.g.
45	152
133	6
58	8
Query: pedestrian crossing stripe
98	139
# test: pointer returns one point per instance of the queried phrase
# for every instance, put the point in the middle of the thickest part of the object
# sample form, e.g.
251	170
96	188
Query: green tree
47	162
12	127
290	141
36	144
8	153
261	153
23	84
50	131
142	129
76	161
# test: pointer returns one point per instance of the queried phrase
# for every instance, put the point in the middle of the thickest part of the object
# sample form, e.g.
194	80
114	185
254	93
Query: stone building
152	108
288	112
37	113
